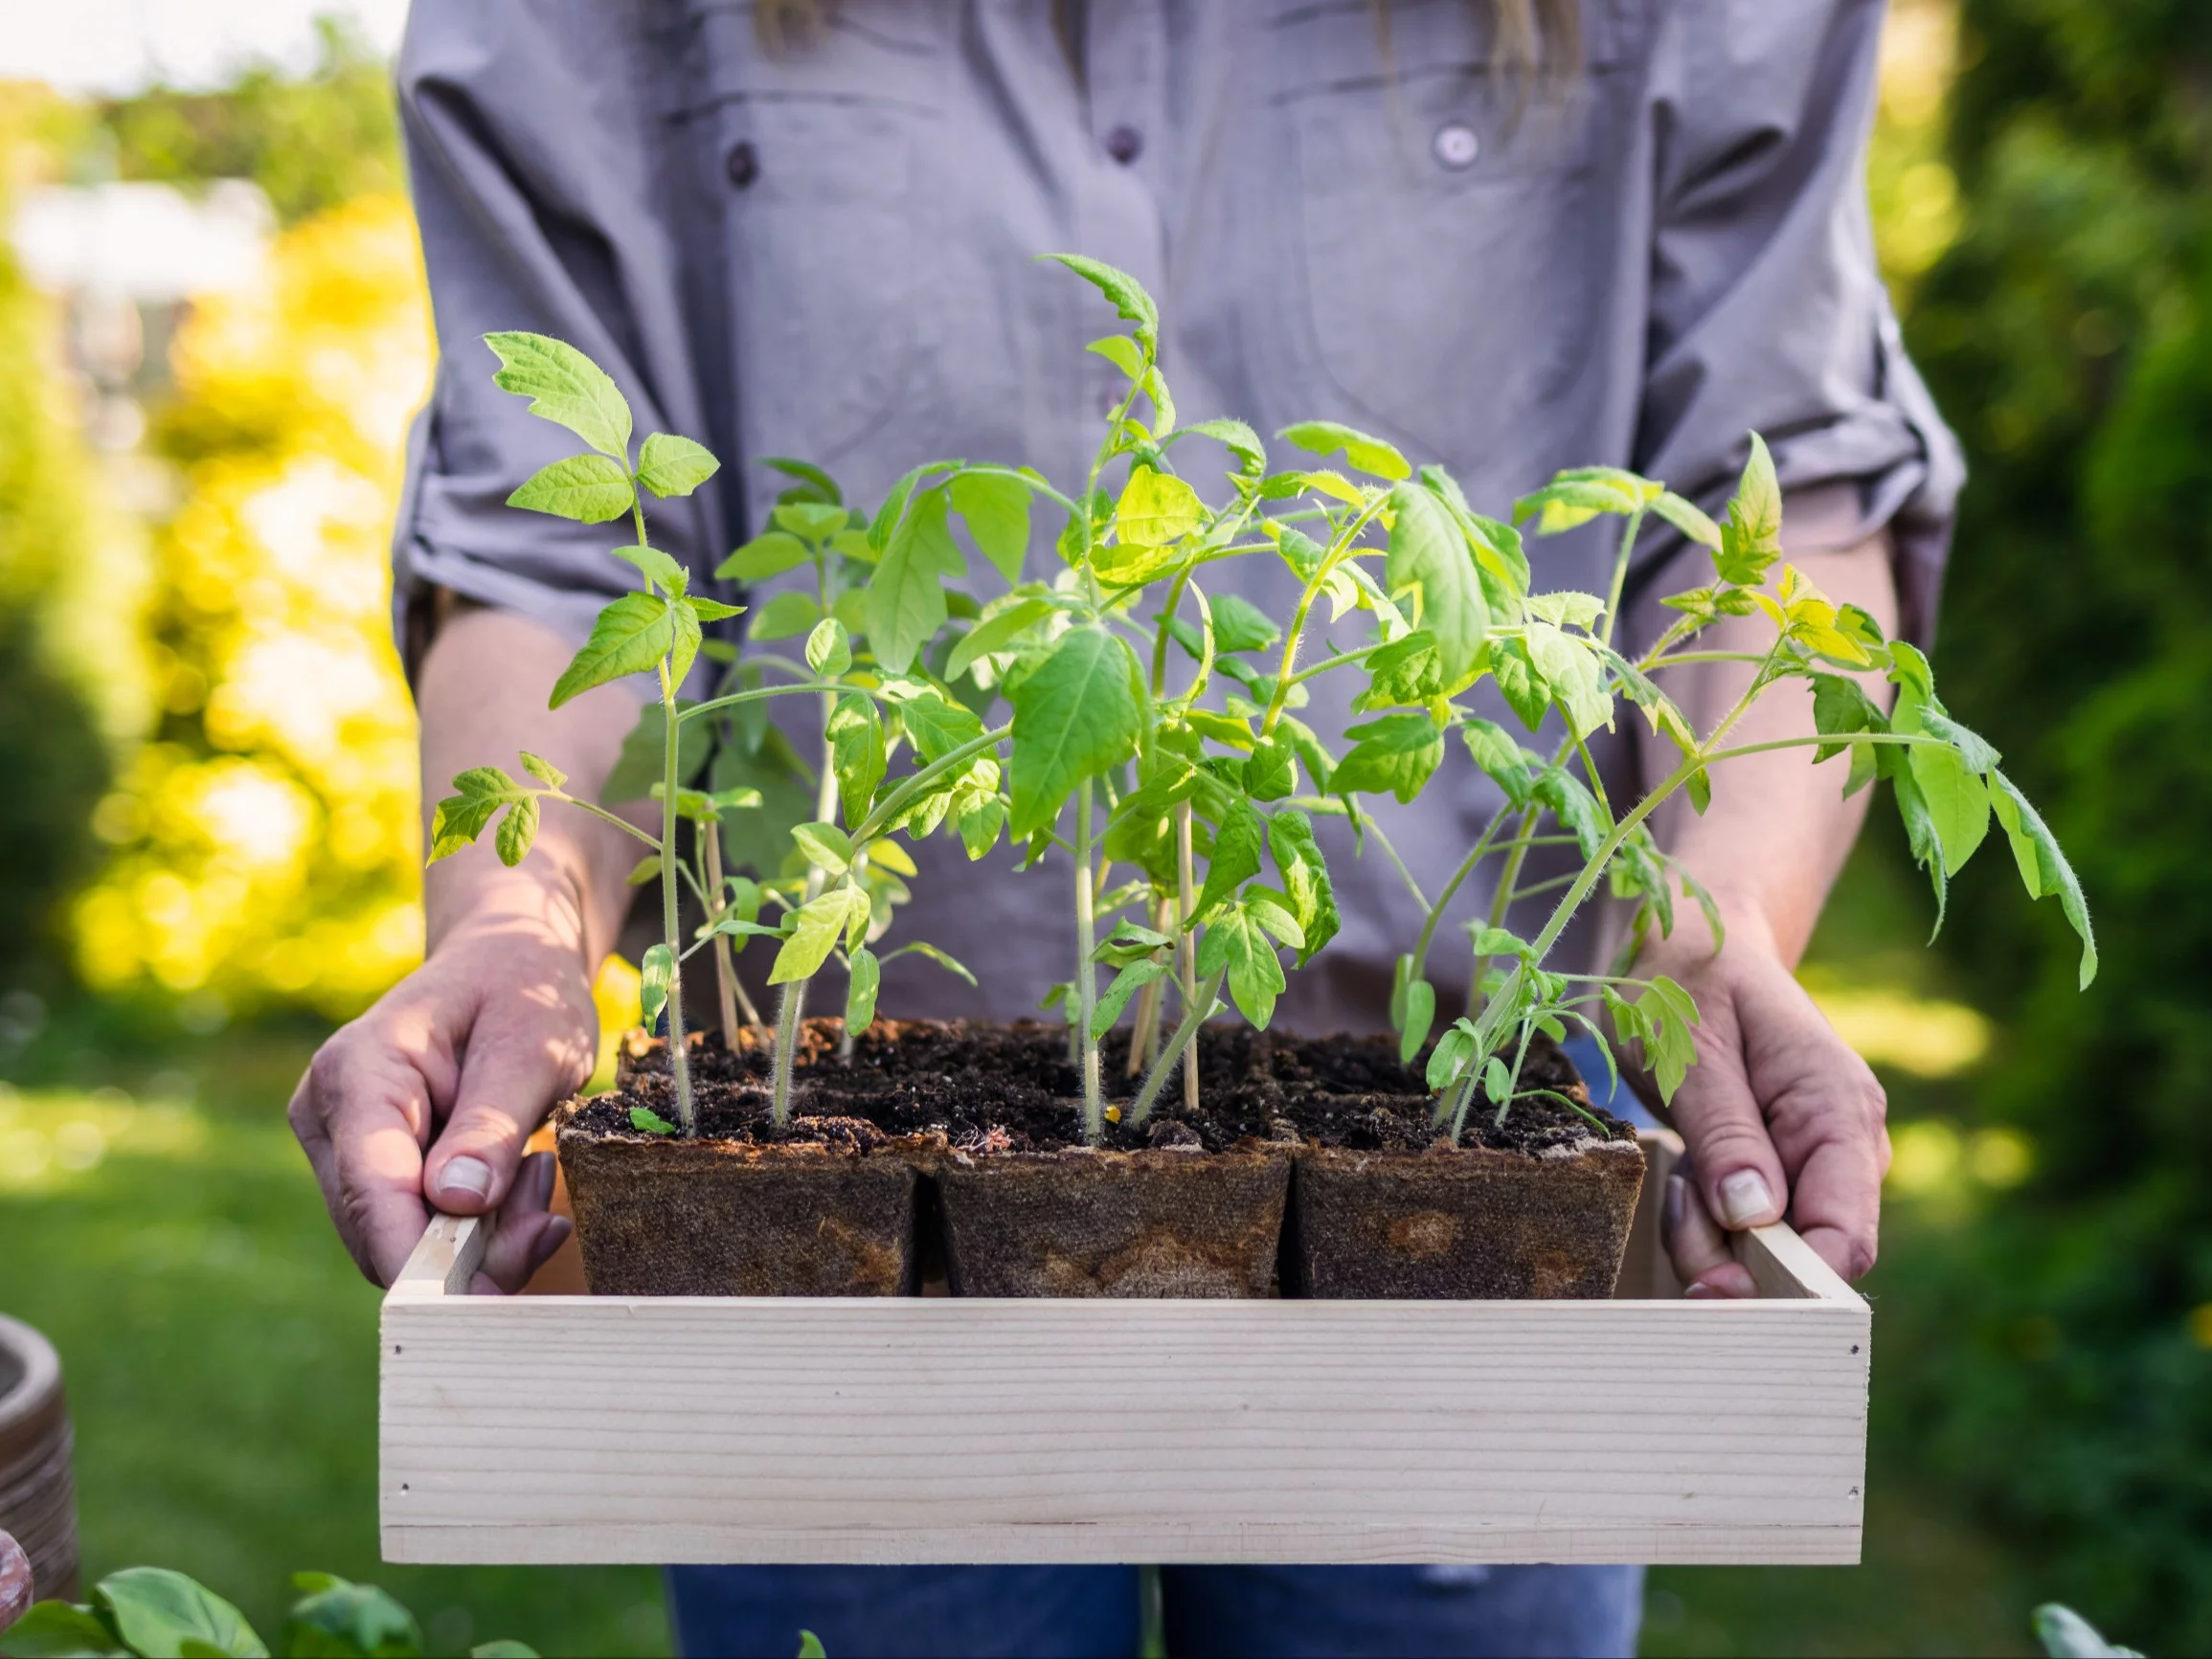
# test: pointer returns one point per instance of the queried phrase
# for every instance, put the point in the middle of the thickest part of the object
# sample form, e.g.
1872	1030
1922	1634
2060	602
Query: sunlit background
213	332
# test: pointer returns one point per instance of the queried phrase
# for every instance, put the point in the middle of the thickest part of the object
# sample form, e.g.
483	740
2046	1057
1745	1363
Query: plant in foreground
1164	770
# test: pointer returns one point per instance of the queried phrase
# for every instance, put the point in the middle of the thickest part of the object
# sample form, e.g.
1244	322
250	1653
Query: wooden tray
1647	1429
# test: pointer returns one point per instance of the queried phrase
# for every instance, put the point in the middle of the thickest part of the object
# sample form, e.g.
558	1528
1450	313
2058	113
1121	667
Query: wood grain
573	1429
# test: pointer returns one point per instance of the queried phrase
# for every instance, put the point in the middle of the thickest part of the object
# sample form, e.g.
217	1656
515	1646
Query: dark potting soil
1012	1089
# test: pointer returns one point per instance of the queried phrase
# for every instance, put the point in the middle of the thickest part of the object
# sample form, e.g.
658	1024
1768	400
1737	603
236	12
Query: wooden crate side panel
801	1431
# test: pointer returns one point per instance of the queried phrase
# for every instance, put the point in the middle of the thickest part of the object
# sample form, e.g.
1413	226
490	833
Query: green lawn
158	1223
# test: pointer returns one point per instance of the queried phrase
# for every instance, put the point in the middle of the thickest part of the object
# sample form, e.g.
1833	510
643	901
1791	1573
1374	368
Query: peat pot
37	1500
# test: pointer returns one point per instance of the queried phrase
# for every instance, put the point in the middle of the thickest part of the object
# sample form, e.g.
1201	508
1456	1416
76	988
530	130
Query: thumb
522	1058
1738	1172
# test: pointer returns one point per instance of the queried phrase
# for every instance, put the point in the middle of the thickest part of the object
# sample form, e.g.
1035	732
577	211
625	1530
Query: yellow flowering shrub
267	844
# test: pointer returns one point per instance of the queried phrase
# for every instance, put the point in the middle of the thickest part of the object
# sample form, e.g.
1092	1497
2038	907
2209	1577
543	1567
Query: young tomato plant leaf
1305	879
1506	764
1127	295
1132	978
656	973
588	488
1238	847
866	975
1393	755
516	831
1751	539
2043	867
996	511
765	556
669	466
1235	944
905	596
564	387
1156	511
829	648
856	744
156	1610
814	934
657	568
1076	715
1366	454
1419	1010
785	616
1238	438
825	846
460	818
631	636
1429	551
646	1121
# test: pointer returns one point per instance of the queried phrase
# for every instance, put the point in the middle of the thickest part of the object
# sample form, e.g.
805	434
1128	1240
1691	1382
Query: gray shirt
825	251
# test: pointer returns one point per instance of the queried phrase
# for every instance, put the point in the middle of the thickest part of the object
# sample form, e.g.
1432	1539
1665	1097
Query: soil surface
1013	1088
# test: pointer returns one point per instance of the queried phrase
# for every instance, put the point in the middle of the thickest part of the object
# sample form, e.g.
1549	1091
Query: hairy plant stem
1185	938
791	1009
1144	1032
679	1056
726	982
1195	1012
1086	970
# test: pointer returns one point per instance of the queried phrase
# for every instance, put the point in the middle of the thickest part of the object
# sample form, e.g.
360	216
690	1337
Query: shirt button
742	164
1124	143
1455	145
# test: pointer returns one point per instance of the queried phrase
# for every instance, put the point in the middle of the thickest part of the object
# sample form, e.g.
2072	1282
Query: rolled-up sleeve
1768	310
553	195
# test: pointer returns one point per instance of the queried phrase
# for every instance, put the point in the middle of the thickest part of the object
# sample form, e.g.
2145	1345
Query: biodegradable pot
1164	1221
37	1499
1472	1222
662	1217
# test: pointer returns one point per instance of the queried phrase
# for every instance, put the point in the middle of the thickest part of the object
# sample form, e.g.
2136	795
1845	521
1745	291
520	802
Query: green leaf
937	726
829	648
1406	673
1240	440
1687	517
810	521
905	596
810	1647
825	846
461	817
1519	682
1236	854
1234	943
705	610
564	387
996	511
1156	510
588	488
1123	353
996	632
1393	755
1305	878
669	466
656	567
1271	771
1419	1009
857	752
1368	455
1127	294
516	831
631	636
1507	764
1751	540
1920	832
863	976
1076	715
814	934
1575	675
2044	869
1132	978
1429	553
940	957
814	484
889	516
1451	1055
656	973
785	616
1497	1081
646	1121
340	1620
60	1630
507	1648
155	1610
1489	941
765	556
1571	802
1956	798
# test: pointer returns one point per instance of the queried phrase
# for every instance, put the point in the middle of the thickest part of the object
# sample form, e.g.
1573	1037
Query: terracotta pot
661	1217
1471	1223
1171	1222
37	1499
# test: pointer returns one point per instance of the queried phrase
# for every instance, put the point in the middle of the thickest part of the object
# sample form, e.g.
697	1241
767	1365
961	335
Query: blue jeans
1093	1612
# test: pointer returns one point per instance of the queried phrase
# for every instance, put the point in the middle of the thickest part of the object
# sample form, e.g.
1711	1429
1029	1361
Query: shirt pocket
1459	234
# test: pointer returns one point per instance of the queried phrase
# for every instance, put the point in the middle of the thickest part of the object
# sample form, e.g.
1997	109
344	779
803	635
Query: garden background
209	847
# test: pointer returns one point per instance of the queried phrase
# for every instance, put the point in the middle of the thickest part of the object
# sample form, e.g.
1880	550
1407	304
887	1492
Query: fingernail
466	1177
1746	1199
554	1235
1697	1290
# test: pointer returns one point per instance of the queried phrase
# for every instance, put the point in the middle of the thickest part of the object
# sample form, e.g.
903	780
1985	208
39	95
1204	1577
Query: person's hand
431	1094
1778	1115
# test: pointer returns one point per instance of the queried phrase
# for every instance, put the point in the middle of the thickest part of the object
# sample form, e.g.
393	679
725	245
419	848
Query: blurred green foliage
310	142
2061	1356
